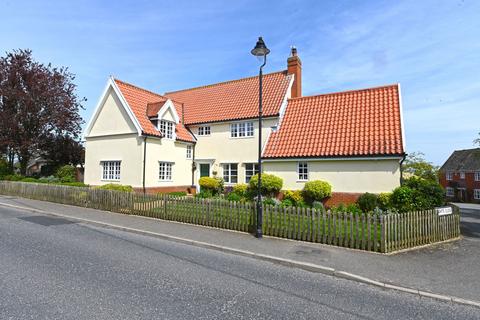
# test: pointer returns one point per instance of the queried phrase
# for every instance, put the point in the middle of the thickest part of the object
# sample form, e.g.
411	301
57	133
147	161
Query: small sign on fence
443	211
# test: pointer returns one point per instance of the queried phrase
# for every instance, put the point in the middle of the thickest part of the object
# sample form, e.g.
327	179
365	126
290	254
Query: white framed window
204	131
189	151
241	129
251	169
477	175
166	127
165	171
462	174
302	170
230	172
476	194
450	192
449	175
111	170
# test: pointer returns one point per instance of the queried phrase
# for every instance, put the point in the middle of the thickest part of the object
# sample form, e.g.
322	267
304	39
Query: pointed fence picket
371	232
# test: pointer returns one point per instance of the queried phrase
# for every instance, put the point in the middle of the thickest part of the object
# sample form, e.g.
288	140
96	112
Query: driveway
470	220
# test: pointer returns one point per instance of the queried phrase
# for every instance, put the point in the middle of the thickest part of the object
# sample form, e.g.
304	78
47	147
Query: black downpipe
144	161
401	168
193	165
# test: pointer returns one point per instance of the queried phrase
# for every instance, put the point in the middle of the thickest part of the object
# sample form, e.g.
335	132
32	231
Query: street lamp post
260	51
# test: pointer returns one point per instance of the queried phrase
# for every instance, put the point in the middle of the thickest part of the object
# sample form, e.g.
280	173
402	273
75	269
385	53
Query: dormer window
166	127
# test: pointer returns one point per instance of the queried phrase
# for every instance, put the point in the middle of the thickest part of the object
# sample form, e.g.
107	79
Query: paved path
450	269
53	268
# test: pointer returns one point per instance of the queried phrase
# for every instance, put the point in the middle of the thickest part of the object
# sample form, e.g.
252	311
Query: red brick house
460	176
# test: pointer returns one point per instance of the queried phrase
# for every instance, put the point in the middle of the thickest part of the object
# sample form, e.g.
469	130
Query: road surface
52	268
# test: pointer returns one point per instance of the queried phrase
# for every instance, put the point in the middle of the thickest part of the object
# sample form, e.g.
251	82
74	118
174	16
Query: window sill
302	180
249	137
105	180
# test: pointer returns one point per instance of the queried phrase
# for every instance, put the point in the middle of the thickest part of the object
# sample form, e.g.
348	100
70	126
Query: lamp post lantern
260	51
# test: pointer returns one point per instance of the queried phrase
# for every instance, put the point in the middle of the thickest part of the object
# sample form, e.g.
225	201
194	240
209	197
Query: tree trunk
23	160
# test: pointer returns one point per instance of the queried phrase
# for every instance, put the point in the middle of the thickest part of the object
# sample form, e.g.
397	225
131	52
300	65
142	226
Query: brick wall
153	190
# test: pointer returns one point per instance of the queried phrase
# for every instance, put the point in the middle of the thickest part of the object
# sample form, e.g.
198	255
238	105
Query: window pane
249	129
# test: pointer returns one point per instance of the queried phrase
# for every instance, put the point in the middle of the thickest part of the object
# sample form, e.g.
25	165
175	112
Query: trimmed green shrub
402	199
66	173
75	184
29	179
318	205
204	194
271	184
295	196
177	193
427	193
417	194
353	208
215	185
316	190
367	202
287	203
233	196
241	189
13	177
116	187
384	200
269	201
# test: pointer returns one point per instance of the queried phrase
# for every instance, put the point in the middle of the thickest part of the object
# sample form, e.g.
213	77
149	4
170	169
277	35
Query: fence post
383	237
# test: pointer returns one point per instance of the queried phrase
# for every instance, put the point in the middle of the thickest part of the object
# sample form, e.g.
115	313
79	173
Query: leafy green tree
416	165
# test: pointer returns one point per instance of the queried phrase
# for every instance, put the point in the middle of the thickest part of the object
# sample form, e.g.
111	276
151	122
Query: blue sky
430	47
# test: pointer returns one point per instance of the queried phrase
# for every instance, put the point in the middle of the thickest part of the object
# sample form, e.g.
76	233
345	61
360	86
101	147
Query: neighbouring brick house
161	143
460	176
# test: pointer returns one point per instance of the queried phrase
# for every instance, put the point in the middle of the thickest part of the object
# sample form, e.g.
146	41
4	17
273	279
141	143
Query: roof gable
463	160
345	124
142	102
111	91
233	100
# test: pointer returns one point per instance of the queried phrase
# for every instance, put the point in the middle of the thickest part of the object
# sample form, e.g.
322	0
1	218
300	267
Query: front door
204	169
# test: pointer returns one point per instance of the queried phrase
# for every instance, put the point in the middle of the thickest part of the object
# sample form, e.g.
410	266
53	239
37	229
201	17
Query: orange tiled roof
139	99
231	100
352	123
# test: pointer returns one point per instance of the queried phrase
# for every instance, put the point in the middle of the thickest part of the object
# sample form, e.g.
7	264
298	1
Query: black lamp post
260	51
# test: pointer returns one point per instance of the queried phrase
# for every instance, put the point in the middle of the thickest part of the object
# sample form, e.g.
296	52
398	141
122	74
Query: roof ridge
142	89
470	149
224	82
347	91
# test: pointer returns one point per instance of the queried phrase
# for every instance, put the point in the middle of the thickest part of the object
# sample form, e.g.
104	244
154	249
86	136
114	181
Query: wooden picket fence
371	232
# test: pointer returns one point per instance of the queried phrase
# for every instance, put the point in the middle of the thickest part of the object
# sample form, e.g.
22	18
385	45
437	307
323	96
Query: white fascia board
266	140
401	118
332	159
168	105
101	101
283	107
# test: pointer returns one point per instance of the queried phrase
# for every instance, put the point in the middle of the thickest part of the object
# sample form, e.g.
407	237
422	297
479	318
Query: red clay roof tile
231	100
352	123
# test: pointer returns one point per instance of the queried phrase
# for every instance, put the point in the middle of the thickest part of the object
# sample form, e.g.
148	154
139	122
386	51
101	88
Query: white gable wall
112	118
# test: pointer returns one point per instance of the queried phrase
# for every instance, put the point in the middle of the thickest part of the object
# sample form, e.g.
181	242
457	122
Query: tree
416	165
477	141
38	103
61	150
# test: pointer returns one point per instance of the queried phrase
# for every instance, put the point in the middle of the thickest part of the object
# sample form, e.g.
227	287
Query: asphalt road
51	268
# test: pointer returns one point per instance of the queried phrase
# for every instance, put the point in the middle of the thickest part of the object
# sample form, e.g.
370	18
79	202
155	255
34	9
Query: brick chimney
295	67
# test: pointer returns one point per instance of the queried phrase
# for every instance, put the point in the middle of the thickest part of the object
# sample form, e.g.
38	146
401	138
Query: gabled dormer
164	117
